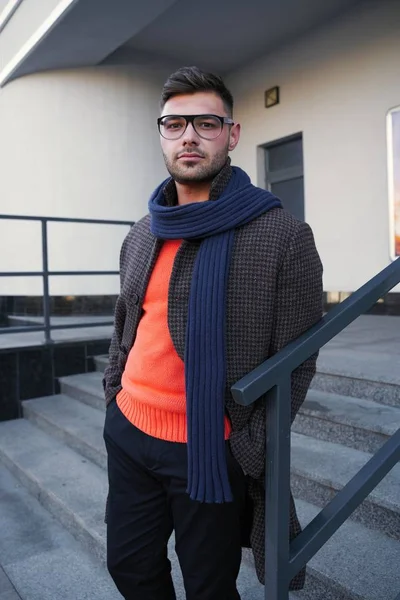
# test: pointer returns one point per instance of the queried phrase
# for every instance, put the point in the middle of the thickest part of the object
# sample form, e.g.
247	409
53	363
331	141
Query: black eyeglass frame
190	119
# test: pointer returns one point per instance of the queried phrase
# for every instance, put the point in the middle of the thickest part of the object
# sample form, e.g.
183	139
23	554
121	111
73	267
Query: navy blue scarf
205	352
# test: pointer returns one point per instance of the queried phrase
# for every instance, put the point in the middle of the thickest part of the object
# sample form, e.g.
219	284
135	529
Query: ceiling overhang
220	36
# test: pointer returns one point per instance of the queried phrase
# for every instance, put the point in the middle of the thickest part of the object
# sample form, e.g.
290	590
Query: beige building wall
81	144
336	87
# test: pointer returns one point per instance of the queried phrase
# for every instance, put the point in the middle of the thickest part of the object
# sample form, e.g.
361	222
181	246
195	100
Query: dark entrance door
284	173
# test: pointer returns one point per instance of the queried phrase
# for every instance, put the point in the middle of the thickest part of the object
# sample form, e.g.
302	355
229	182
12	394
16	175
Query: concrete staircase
57	453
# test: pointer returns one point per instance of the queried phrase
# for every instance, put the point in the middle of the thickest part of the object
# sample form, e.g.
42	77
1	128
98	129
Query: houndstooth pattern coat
274	295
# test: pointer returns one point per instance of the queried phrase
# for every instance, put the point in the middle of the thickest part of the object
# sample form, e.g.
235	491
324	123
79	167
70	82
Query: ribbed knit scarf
205	353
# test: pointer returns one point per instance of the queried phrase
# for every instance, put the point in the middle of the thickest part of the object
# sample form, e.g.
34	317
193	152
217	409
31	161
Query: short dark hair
188	80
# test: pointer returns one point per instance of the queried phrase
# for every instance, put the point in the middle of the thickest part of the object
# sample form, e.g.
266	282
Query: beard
206	170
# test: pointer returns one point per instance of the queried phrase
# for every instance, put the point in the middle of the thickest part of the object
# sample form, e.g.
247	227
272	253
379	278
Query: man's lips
190	155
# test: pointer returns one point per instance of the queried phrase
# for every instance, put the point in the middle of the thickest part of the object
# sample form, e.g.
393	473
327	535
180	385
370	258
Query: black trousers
147	501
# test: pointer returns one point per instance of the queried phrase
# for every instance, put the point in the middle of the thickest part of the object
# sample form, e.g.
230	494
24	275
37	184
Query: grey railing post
46	293
277	490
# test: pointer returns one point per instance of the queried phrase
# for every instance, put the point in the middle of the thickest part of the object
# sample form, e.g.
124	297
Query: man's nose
190	136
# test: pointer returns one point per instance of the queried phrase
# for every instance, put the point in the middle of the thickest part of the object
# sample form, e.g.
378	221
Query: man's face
191	158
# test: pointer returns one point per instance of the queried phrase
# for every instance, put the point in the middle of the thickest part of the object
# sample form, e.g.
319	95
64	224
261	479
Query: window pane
286	155
292	195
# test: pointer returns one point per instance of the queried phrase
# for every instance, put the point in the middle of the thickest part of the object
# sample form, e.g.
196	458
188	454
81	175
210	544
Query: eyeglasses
208	127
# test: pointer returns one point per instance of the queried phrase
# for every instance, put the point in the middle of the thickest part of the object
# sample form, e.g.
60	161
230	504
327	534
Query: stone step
359	373
309	456
320	469
87	388
74	491
363	375
355	422
40	559
361	424
79	425
101	362
71	488
357	563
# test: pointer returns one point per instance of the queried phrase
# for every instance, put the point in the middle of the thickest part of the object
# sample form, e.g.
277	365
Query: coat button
135	299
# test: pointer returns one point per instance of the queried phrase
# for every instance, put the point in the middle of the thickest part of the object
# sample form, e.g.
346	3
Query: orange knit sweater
153	384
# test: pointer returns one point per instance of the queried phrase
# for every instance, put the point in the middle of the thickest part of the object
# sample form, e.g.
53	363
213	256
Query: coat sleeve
113	372
298	306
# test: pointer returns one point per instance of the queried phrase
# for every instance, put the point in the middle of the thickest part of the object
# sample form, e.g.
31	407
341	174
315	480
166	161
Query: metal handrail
272	380
47	327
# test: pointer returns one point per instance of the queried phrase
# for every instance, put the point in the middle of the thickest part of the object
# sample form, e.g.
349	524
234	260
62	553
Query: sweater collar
218	185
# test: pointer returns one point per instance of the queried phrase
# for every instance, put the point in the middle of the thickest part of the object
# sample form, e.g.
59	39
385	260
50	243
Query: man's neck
193	192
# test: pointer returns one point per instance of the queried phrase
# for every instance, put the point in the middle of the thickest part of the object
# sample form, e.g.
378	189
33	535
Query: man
216	279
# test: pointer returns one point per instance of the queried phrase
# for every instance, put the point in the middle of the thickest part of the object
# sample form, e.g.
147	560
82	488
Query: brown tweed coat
274	295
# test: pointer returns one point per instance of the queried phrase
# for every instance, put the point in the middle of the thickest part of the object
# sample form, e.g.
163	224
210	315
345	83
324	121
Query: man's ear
234	136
